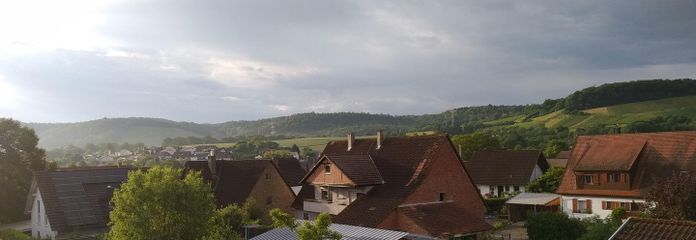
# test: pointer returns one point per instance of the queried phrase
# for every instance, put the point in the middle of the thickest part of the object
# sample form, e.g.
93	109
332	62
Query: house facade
412	184
72	202
234	182
607	172
500	173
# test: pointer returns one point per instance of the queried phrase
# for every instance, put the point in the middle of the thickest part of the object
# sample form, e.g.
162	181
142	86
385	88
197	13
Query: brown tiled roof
663	154
235	179
610	154
650	229
76	198
504	167
291	170
358	168
400	161
450	219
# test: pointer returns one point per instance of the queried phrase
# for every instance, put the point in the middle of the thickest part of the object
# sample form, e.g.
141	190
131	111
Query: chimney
351	140
211	162
380	138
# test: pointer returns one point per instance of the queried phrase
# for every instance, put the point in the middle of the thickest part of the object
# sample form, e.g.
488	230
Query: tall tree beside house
19	156
548	182
160	204
468	144
317	230
673	198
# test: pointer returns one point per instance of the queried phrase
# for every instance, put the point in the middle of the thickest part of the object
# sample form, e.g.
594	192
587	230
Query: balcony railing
319	206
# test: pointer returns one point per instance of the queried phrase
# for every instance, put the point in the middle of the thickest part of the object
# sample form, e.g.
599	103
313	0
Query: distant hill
615	103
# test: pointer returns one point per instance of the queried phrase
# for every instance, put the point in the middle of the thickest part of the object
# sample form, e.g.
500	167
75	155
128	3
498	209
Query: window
269	200
582	206
38	211
268	176
516	188
507	188
683	173
587	179
326	195
327	168
613	177
491	189
442	197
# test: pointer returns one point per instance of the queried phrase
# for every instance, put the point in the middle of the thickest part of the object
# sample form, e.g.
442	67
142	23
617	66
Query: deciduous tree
548	182
19	156
673	198
160	204
317	230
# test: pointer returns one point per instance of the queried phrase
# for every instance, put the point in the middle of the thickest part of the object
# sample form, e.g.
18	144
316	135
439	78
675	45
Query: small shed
526	204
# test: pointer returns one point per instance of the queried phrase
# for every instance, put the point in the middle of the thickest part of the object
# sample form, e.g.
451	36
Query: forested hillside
590	110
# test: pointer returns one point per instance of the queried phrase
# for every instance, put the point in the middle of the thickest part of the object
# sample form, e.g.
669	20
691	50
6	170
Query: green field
618	114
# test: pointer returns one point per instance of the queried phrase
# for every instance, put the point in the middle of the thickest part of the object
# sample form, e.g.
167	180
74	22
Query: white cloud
9	95
249	74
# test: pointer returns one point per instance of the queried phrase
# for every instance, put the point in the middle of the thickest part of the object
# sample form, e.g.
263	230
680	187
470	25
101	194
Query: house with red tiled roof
499	173
614	171
412	184
649	229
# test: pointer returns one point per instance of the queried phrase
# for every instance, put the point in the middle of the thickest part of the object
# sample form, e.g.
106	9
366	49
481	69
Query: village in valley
347	120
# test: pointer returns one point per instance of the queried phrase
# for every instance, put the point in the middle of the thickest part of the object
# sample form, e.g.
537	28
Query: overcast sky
215	61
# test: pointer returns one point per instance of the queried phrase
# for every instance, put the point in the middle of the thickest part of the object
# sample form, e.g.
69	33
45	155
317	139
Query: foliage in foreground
159	204
548	182
11	234
560	226
553	226
317	230
19	156
673	198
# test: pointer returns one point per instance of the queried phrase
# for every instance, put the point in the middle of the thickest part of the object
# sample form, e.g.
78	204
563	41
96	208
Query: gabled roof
610	154
76	198
664	154
400	162
291	170
359	168
504	167
235	179
649	229
443	219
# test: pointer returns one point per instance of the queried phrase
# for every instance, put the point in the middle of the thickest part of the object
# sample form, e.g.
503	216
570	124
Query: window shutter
623	178
575	205
604	205
588	206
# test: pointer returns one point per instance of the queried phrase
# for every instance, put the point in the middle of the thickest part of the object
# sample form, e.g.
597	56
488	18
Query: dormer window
613	177
587	179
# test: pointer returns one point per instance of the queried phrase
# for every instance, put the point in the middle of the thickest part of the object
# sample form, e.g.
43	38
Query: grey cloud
402	57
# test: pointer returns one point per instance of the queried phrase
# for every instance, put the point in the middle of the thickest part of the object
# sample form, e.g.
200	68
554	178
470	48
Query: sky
213	61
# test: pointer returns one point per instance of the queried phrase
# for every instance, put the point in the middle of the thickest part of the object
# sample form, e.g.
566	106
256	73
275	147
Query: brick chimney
351	140
380	138
211	162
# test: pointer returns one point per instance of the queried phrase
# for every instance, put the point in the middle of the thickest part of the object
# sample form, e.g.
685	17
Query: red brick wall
447	175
